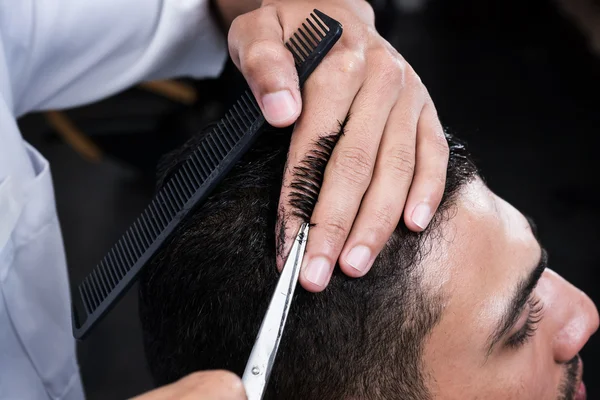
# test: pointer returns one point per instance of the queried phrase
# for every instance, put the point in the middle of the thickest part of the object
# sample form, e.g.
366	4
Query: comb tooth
105	281
228	127
93	291
180	187
233	130
162	207
110	263
90	293
173	194
151	223
220	142
101	286
302	54
253	102
315	41
238	119
147	226
147	229
131	246
185	185
109	272
244	114
315	29
83	292
157	216
96	289
303	44
297	59
306	40
122	263
124	254
139	237
196	170
201	165
167	198
191	176
318	21
249	107
135	247
211	160
225	134
142	234
216	146
82	288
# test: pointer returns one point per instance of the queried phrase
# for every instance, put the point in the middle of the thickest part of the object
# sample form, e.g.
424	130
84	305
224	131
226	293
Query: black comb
191	184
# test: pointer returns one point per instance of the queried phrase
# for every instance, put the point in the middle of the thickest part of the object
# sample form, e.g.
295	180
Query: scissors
260	364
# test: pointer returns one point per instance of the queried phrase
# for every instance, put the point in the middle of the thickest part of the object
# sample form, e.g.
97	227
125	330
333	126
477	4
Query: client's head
465	310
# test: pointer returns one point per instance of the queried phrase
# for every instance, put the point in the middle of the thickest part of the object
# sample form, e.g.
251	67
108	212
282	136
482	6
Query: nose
575	316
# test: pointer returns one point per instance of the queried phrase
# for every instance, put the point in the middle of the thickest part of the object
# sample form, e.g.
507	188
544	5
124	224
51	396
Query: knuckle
351	62
353	164
196	379
440	144
366	12
261	52
336	230
400	161
413	81
392	70
231	381
385	220
236	26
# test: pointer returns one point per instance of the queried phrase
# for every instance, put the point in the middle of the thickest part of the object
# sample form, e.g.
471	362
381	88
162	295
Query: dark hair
203	298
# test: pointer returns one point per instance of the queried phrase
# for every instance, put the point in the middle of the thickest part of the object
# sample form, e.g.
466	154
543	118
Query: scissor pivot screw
255	371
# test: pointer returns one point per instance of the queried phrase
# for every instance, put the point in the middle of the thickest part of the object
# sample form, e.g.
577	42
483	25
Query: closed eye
535	311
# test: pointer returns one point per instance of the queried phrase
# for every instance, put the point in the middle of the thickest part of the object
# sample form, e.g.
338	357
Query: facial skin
487	249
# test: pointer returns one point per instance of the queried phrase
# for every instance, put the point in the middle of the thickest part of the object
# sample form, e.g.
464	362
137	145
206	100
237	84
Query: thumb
205	385
217	385
257	49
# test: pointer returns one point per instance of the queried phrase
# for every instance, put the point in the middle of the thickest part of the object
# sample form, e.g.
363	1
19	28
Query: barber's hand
393	156
207	385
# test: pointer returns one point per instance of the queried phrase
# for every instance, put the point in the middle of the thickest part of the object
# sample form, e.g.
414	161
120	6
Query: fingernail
279	106
317	271
422	215
359	258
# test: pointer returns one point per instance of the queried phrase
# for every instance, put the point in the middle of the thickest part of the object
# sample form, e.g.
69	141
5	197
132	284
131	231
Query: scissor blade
257	372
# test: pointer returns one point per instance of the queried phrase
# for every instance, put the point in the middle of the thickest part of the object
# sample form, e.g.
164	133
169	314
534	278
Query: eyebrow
515	307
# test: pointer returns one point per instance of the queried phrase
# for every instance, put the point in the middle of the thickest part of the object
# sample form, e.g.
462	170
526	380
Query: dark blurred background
520	81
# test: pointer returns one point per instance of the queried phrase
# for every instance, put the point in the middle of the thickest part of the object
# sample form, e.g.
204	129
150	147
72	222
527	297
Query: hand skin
205	385
391	161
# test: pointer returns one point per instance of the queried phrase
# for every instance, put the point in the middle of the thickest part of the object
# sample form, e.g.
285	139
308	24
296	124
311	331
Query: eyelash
520	338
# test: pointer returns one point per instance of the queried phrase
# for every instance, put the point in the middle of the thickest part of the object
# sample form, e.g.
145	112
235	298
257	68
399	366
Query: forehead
485	248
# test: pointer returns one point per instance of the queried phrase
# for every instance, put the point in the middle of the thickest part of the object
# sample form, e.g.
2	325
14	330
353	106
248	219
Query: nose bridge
577	318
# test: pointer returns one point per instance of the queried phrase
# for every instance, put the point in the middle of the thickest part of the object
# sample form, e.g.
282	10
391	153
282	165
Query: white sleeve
62	53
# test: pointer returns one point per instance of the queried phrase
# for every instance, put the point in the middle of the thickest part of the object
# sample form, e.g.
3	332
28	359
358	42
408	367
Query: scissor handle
259	366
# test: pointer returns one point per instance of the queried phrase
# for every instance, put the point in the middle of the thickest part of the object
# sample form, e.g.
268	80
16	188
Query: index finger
318	124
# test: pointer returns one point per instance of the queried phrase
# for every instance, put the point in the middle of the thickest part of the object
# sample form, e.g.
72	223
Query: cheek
525	374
